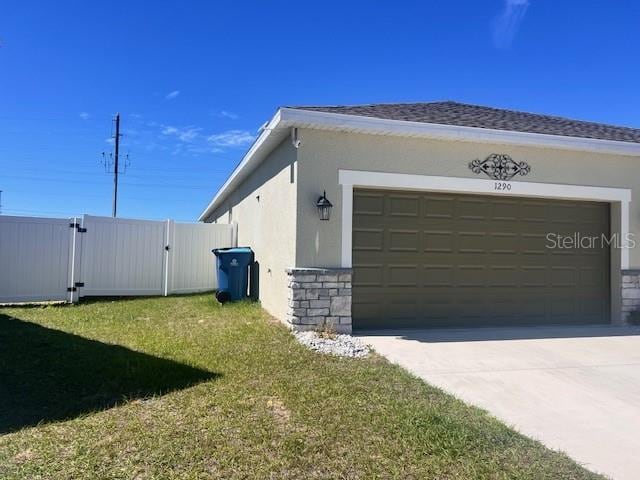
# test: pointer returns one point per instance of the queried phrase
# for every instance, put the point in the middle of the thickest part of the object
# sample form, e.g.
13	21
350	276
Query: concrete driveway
576	389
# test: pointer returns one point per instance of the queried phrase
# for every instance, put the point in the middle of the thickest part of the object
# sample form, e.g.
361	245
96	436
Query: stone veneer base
630	293
319	298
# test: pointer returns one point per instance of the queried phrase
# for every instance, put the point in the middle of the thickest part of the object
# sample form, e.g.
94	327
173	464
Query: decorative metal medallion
499	167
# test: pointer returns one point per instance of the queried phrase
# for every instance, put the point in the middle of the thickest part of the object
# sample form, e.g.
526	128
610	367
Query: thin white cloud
172	95
505	25
110	141
169	130
226	114
231	115
231	138
184	134
189	139
84	115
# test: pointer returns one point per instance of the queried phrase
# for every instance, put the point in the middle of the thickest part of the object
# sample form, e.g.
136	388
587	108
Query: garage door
434	260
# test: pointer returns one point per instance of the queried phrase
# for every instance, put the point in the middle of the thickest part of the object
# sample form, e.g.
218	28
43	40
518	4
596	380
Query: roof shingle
465	115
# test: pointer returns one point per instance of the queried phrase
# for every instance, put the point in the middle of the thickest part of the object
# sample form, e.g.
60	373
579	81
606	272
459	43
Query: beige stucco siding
323	153
264	209
275	211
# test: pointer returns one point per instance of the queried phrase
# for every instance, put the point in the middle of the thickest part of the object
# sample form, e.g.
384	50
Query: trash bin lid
233	250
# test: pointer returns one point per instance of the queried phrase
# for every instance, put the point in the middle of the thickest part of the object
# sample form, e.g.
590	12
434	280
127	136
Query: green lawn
180	387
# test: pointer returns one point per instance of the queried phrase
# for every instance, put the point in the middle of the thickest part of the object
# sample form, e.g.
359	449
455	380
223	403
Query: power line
168	174
133	184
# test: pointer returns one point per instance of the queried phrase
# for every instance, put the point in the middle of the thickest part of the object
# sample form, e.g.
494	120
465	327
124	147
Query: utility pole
112	160
116	166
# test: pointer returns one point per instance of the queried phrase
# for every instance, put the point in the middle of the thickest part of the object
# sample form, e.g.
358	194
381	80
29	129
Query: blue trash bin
233	272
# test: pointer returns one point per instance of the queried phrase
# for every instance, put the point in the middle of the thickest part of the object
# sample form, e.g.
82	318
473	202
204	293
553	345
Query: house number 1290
503	186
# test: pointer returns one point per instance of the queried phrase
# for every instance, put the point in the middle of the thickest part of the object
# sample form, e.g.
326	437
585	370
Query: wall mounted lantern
324	207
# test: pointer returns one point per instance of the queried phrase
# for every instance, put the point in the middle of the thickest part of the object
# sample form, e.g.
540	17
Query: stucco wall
323	153
264	208
283	226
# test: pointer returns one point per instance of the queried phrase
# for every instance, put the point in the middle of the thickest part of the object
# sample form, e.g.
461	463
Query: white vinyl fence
65	259
35	256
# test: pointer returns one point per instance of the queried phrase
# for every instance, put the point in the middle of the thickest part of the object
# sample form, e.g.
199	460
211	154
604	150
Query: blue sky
194	80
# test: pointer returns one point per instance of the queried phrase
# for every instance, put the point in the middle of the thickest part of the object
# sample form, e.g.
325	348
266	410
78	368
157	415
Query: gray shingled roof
460	114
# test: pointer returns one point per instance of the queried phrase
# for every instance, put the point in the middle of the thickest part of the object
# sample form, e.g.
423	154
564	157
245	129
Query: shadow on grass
100	299
49	375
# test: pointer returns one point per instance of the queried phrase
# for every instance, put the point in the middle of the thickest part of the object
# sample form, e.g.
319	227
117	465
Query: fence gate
121	257
35	258
65	259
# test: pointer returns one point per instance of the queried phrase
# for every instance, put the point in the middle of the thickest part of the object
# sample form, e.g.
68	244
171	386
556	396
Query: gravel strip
341	345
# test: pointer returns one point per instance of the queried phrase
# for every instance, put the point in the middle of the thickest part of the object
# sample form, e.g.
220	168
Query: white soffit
285	118
380	126
269	138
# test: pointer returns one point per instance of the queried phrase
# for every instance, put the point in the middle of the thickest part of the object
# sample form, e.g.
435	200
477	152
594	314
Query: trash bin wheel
223	296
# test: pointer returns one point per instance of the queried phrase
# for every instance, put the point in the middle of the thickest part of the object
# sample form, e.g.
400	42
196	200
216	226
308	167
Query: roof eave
285	118
380	126
269	137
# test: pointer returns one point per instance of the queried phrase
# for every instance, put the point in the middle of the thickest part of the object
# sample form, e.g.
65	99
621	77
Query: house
444	214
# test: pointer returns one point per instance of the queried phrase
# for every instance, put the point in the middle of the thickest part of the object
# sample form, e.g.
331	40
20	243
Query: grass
180	387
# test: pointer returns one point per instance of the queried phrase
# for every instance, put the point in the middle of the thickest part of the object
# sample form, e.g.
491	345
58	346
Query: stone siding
630	293
319	298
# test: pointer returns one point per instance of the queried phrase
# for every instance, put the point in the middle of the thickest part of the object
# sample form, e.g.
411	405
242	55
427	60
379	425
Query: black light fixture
324	206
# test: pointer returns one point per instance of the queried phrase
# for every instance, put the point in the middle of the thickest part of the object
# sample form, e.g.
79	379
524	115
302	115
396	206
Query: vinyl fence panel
191	263
122	256
66	259
34	258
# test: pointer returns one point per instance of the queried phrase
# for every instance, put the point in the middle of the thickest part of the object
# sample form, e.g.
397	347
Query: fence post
168	257
234	234
75	261
72	262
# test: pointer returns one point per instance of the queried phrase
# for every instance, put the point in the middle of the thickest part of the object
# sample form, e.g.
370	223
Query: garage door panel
403	205
368	239
369	204
591	277
403	276
403	240
501	259
471	276
505	210
533	243
437	241
438	275
466	260
535	276
368	275
590	213
471	242
563	276
439	207
533	212
564	308
504	276
562	213
472	209
503	242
